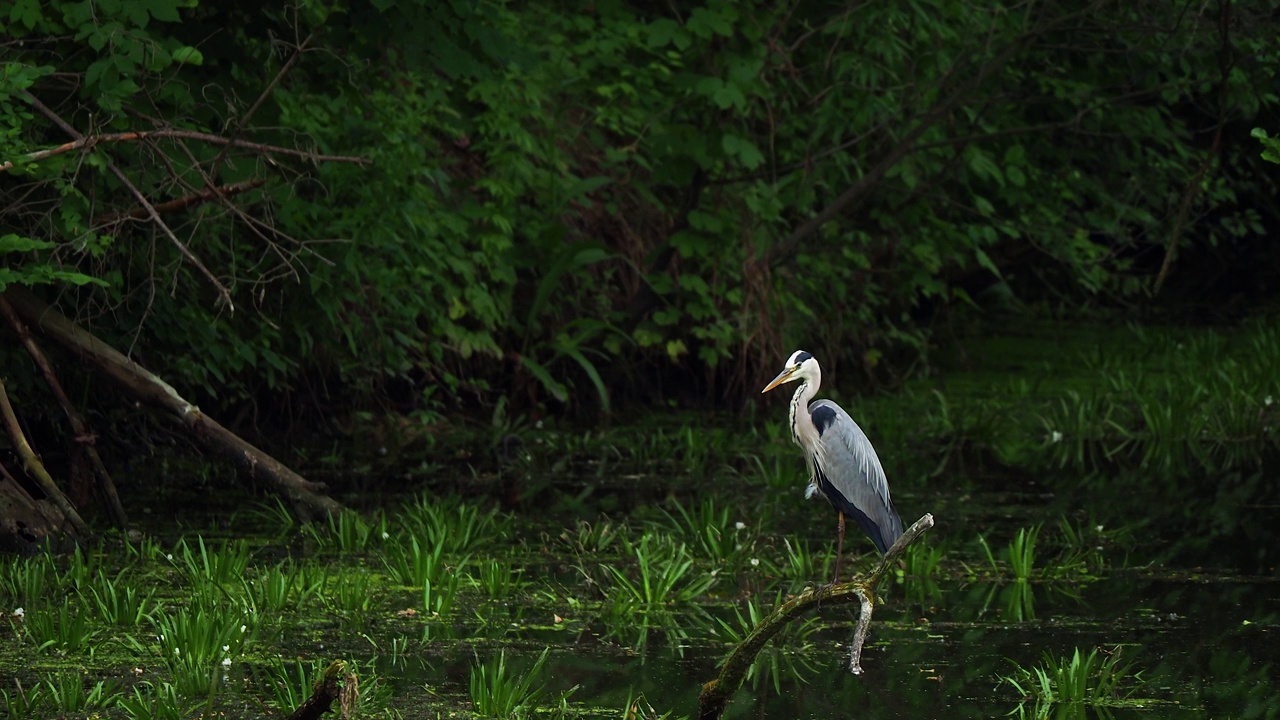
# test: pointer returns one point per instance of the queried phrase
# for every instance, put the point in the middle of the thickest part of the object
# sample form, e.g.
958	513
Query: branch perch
715	694
306	496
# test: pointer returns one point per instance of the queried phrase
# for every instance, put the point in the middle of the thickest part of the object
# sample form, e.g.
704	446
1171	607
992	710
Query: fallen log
306	497
80	430
716	693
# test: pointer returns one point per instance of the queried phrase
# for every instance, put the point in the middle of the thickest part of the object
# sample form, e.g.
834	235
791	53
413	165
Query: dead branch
715	694
307	497
31	463
80	430
140	135
182	203
223	293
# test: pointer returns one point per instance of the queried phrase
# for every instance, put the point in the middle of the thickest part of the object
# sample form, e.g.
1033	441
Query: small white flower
169	557
538	425
243	627
1056	437
1098	529
226	648
755	562
176	651
385	534
226	662
19	613
739	525
1268	401
715	572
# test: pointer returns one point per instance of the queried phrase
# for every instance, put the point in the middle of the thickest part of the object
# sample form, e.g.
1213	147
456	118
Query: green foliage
1098	679
557	202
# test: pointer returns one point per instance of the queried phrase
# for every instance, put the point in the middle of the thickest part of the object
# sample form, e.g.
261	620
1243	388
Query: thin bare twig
56	119
244	119
185	202
83	141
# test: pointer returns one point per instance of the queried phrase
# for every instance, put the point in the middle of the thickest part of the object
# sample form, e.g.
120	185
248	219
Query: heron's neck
800	420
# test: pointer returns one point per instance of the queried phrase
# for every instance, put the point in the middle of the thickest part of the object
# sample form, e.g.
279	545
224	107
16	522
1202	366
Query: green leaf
187	55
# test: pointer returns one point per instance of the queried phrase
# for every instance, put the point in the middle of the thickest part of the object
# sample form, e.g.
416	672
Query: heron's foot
821	590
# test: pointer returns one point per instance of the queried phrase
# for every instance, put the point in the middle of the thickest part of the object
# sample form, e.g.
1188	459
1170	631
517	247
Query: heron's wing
846	463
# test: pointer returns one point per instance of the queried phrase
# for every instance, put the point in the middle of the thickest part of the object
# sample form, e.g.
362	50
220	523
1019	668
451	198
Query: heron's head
800	365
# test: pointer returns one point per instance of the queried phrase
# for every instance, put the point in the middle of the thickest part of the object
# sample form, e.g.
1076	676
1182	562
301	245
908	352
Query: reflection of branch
715	694
183	203
224	295
83	141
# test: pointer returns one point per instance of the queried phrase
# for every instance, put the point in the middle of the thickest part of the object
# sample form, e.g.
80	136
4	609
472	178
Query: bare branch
88	141
184	202
715	694
223	293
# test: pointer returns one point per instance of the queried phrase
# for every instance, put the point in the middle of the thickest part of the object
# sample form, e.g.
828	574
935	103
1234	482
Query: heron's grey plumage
845	467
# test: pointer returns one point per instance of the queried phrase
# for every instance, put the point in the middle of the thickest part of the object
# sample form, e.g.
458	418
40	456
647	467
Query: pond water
611	571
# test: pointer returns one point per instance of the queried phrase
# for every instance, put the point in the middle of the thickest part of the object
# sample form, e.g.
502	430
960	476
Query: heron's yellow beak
783	376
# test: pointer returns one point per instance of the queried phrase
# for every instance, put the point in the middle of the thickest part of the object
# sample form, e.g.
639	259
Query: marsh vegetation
1113	568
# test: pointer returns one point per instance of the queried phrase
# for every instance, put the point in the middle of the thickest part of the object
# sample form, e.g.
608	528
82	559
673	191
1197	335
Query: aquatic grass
145	550
119	600
348	533
1096	679
922	561
290	683
66	693
159	701
284	587
438	597
592	538
349	595
414	564
665	574
275	518
198	643
449	524
496	578
497	692
637	707
23	703
708	528
801	566
221	566
25	580
1021	553
64	629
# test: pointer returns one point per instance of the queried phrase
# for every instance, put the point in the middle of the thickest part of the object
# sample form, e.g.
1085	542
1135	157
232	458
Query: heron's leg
839	545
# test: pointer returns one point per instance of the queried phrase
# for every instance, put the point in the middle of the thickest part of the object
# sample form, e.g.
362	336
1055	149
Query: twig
84	438
223	293
244	119
82	141
185	202
715	694
31	463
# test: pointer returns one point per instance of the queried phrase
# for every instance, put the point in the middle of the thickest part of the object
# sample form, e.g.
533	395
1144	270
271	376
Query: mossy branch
715	694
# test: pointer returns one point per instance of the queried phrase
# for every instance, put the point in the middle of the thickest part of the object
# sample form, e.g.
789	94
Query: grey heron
845	468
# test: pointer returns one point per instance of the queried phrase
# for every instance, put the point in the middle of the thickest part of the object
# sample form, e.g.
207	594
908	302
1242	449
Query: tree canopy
418	201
